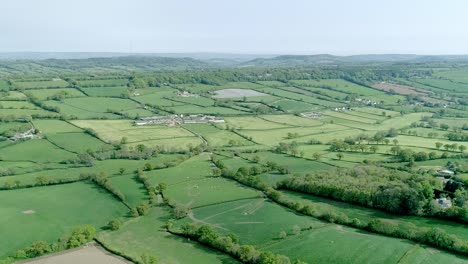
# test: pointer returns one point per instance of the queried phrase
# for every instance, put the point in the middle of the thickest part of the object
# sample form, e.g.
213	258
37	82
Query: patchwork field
320	165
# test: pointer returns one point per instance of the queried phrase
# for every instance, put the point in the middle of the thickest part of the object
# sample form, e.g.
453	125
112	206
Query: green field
320	168
46	213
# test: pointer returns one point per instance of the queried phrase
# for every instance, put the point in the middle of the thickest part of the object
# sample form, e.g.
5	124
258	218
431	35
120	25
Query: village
173	120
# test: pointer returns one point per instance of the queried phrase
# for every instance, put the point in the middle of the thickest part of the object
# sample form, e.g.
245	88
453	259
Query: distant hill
326	59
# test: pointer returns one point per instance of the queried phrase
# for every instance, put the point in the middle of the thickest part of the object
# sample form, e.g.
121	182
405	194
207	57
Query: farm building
445	173
444	202
30	134
313	115
186	94
194	119
173	120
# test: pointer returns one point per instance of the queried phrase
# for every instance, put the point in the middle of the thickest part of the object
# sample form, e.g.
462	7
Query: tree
438	145
123	140
373	148
148	259
216	172
444	126
161	187
121	171
282	235
42	180
115	224
316	156
395	141
339	155
462	148
38	248
296	230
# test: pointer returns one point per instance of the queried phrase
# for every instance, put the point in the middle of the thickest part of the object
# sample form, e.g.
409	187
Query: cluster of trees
457	136
372	186
80	235
434	237
452	147
290	148
230	244
41	180
408	155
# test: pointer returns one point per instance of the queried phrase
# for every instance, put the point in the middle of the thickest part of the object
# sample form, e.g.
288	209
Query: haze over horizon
265	27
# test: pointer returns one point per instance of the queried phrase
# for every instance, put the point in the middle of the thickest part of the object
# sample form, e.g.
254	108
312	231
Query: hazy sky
236	26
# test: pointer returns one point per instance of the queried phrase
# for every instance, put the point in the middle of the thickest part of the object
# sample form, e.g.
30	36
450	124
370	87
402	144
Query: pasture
46	213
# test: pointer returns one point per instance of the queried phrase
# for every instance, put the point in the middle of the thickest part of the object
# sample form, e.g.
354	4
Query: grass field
47	213
146	235
43	94
33	150
217	137
58	83
115	130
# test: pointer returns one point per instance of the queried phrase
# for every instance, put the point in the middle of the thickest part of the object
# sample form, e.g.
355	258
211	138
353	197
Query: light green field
274	136
48	213
43	94
194	109
17	105
34	150
76	142
292	120
115	130
4	85
133	191
338	85
21	113
195	168
55	126
106	91
208	191
215	136
103	82
77	112
146	235
256	221
319	246
13	95
41	84
110	167
350	117
250	122
295	106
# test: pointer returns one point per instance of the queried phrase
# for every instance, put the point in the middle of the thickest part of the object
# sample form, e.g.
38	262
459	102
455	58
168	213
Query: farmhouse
444	202
25	135
186	94
312	115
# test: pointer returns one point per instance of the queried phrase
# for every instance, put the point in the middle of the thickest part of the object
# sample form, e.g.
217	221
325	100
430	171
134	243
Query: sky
340	27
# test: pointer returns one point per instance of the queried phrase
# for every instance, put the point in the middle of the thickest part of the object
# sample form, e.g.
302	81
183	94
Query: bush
115	224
